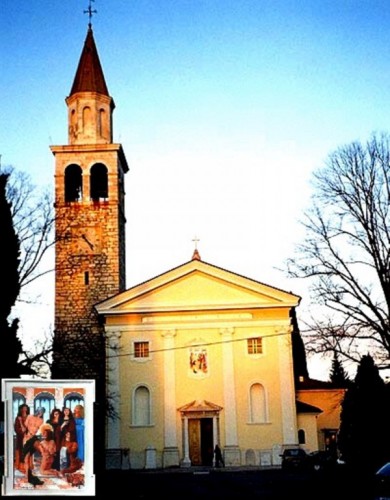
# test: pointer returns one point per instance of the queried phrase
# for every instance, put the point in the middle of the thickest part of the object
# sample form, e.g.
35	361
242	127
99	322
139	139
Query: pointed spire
89	75
196	255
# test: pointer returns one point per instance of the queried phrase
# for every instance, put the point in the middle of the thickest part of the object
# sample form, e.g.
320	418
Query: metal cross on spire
90	12
196	240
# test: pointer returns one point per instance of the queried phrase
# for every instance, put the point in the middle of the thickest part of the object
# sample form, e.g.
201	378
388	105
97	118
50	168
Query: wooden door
194	441
200	435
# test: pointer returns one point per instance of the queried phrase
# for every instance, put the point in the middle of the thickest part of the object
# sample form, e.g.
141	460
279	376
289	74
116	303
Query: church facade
200	356
192	358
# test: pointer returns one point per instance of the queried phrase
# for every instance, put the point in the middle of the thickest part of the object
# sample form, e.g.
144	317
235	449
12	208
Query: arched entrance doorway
200	423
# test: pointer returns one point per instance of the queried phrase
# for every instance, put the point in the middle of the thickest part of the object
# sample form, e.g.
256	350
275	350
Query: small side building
328	398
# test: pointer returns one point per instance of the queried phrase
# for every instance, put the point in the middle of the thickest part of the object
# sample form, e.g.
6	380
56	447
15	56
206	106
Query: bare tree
33	220
346	253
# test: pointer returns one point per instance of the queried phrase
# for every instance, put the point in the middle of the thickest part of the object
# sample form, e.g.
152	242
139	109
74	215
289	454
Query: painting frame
35	472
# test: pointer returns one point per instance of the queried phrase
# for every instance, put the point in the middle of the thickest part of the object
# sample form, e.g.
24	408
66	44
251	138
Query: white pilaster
171	451
287	389
229	390
186	462
215	432
113	388
215	436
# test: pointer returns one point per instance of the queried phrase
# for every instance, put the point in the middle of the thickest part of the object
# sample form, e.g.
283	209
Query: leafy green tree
12	346
364	436
298	349
345	256
338	376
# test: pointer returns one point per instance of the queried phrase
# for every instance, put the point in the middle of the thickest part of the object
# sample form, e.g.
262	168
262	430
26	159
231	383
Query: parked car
323	460
382	483
295	458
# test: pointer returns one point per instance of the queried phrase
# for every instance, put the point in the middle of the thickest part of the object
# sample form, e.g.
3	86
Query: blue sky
224	108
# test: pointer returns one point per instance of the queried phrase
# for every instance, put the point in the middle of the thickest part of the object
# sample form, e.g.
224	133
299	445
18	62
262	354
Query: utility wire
205	344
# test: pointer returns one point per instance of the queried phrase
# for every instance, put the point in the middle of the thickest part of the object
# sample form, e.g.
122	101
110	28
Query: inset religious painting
198	360
48	437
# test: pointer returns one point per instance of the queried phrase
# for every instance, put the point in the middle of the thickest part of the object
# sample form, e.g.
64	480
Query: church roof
307	408
89	75
197	285
307	383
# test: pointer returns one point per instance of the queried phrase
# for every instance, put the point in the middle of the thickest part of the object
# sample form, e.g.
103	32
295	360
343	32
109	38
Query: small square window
141	349
255	345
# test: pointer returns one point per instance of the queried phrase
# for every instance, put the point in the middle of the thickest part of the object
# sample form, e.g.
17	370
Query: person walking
219	461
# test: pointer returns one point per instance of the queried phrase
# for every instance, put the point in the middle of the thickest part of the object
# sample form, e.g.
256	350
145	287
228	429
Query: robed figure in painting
78	414
20	431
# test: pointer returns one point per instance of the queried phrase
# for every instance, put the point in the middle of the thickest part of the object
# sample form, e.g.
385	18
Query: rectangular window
141	349
255	345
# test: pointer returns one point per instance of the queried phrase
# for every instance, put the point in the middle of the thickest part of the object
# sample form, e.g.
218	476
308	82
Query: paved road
204	484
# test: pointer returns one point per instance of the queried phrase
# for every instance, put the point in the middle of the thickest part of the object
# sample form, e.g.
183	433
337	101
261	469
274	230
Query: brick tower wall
90	262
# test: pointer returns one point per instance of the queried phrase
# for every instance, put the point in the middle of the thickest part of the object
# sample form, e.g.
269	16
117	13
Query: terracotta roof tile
89	75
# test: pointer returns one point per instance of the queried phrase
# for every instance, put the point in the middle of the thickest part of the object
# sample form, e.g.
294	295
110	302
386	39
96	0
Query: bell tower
90	221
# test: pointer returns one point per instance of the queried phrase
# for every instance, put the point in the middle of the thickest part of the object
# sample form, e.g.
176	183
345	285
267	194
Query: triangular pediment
197	285
200	406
